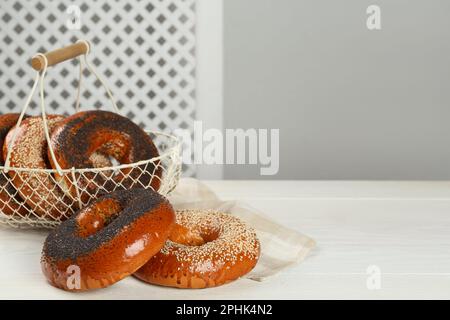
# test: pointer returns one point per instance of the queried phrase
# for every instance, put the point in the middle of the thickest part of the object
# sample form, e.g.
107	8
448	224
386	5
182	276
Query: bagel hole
112	153
114	161
184	236
208	237
96	217
100	160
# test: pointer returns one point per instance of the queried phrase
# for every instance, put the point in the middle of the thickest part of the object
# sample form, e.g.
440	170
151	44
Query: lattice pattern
144	49
42	198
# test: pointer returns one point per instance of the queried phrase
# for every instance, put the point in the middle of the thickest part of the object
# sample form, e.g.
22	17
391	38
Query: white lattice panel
144	49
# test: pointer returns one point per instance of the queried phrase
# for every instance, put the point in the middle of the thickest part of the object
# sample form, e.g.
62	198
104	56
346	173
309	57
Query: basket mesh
44	198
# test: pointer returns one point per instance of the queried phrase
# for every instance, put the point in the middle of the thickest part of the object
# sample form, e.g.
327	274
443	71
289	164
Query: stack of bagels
137	232
90	139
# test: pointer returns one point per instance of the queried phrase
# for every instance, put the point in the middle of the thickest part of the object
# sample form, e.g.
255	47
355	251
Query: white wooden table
400	228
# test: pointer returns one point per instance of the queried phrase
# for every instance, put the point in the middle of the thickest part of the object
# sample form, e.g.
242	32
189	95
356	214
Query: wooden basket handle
59	55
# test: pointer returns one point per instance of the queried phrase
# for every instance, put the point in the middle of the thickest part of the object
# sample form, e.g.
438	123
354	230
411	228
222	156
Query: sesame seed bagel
7	121
205	249
108	240
37	189
10	202
85	136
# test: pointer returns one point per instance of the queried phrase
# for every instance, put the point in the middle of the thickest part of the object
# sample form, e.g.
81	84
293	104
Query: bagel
10	201
89	135
29	150
108	240
205	249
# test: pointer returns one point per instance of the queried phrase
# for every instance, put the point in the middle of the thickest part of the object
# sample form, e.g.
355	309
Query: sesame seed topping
230	240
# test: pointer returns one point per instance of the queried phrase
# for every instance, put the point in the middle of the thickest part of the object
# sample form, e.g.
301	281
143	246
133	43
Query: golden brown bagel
29	150
205	249
86	136
10	202
108	240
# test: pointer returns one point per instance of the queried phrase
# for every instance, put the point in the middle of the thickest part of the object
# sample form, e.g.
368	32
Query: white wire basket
43	198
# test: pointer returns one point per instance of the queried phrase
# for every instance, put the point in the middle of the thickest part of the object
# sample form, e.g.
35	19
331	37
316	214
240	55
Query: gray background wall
350	103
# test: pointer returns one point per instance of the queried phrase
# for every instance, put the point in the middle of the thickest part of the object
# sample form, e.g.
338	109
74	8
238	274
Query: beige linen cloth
281	247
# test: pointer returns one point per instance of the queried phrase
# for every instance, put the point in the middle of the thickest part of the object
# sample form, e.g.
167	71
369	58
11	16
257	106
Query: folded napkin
281	247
